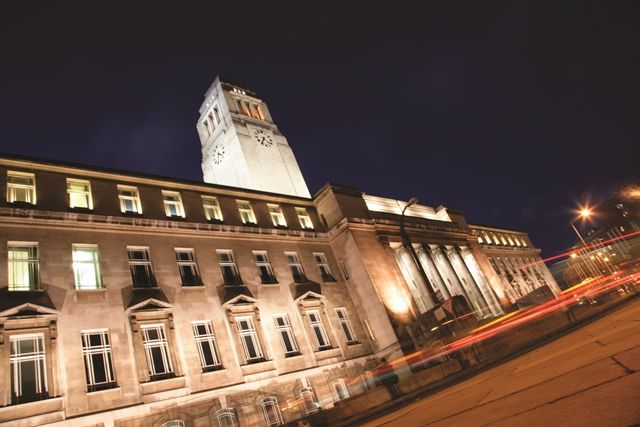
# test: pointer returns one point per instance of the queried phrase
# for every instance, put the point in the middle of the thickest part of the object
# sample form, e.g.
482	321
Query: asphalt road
589	377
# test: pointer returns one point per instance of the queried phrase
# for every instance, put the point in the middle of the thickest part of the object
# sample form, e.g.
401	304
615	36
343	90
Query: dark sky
512	111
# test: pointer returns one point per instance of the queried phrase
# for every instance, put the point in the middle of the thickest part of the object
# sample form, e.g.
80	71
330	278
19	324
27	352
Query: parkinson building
137	300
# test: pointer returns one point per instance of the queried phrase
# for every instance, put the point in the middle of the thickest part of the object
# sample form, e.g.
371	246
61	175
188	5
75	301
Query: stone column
424	254
473	269
473	290
450	273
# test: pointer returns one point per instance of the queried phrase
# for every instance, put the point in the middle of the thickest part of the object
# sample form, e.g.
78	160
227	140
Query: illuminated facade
135	300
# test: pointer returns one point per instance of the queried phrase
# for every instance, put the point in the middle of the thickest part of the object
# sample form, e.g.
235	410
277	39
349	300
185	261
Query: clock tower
242	147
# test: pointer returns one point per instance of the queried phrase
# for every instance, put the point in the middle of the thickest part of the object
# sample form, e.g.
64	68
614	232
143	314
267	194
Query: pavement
588	377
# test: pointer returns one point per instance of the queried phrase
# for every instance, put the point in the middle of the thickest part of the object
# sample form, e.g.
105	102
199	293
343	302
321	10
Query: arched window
271	412
227	417
308	400
173	423
340	390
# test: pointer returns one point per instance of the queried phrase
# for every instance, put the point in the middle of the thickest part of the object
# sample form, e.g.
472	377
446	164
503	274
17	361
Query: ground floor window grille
157	352
227	417
98	363
27	361
206	343
308	401
271	412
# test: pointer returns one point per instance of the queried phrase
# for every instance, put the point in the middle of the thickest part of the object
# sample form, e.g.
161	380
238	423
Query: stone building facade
138	300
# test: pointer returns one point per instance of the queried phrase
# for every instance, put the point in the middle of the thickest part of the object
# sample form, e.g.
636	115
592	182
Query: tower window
227	262
86	267
98	363
21	187
206	343
212	209
141	268
304	218
172	204
23	266
265	271
277	217
296	267
246	212
188	267
79	193
129	199
216	112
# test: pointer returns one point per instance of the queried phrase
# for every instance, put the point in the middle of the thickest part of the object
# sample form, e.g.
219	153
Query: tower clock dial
218	154
263	137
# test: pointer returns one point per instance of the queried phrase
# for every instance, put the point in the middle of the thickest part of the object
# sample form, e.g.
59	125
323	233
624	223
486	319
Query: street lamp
406	242
584	214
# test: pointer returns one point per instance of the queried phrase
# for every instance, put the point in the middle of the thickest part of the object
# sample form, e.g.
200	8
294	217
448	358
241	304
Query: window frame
32	264
271	402
252	333
162	343
277	215
229	264
304	217
305	393
104	349
228	413
134	199
212	203
270	277
30	189
84	193
339	389
323	267
209	339
345	324
190	263
318	329
283	329
95	261
176	204
295	267
39	359
147	262
247	215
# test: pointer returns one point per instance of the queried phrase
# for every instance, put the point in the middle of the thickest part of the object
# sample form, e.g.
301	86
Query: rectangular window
277	217
323	266
140	266
21	187
98	364
227	262
156	349
320	334
304	218
27	361
172	204
86	267
296	267
129	199
264	267
212	209
79	193
246	212
188	267
346	325
249	339
283	327
23	266
206	343
216	112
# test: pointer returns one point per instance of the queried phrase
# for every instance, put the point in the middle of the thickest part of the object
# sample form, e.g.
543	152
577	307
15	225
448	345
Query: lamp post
406	242
584	213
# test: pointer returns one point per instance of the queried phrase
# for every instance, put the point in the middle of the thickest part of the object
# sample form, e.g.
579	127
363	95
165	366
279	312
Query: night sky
512	111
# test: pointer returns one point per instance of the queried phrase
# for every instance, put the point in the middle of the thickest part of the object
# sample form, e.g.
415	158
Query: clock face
218	154
263	137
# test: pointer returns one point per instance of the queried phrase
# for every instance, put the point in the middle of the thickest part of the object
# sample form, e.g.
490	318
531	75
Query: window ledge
106	390
353	343
192	287
159	386
214	371
80	210
51	405
91	290
22	205
291	356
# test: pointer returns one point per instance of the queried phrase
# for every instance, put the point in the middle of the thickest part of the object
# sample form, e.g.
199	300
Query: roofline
513	230
140	175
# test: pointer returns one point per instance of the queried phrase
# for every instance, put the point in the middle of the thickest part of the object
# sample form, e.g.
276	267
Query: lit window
23	266
323	266
340	390
188	267
79	193
141	267
86	267
296	267
98	364
271	412
227	262
265	271
283	327
304	218
227	417
249	339
206	343
21	187
320	334
172	204
246	212
277	217
129	199
156	350
346	325
308	401
27	359
212	209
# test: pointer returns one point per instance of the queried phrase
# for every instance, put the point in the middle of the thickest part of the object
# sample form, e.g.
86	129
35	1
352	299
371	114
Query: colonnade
521	275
